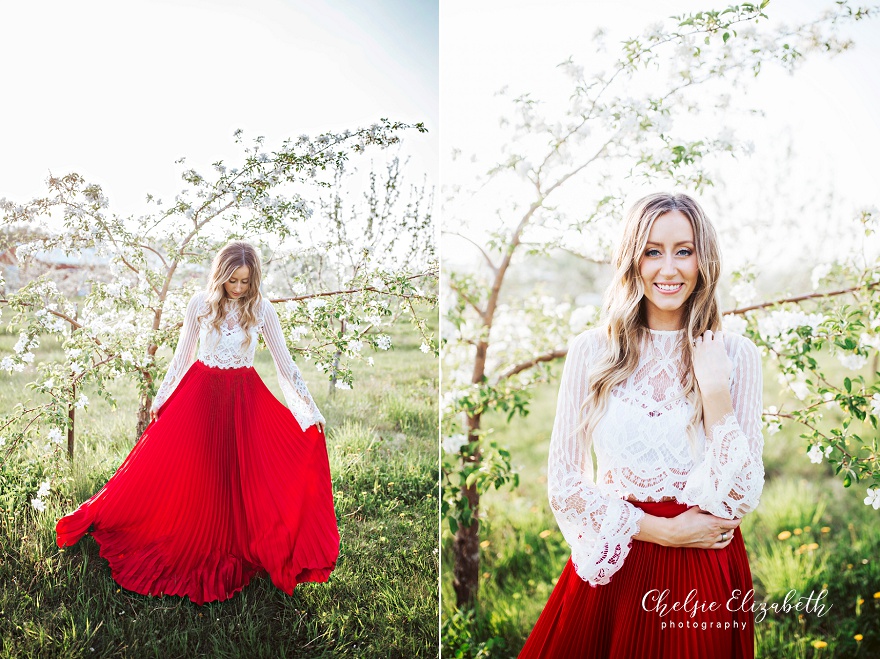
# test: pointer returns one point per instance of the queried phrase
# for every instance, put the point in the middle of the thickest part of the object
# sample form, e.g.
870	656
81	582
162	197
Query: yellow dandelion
877	595
849	566
812	546
485	544
485	575
858	637
806	529
544	534
819	644
785	535
825	529
860	601
797	531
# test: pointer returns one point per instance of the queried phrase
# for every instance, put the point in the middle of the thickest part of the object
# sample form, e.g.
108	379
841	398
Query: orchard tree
496	349
158	260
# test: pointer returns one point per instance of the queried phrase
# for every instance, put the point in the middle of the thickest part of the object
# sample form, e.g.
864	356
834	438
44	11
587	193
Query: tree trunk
466	546
71	427
143	418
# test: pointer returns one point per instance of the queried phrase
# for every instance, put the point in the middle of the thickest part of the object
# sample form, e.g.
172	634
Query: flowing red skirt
222	487
632	616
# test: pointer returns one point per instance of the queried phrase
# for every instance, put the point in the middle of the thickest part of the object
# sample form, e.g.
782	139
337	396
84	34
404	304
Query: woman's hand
712	366
320	426
694	528
153	415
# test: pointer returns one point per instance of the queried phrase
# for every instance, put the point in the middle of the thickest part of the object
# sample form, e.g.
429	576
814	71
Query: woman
672	408
225	483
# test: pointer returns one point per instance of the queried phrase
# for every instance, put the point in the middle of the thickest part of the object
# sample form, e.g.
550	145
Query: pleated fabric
222	487
626	618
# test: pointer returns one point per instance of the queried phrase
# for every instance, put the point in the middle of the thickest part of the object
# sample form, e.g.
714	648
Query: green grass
519	567
381	601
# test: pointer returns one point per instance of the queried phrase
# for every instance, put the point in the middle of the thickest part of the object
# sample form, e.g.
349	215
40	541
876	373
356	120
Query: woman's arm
729	479
598	527
184	354
296	394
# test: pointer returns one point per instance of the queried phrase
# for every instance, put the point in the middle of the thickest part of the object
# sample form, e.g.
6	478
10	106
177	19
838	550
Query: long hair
623	309
233	255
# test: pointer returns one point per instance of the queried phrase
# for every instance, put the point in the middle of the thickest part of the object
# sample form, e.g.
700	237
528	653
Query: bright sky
828	108
118	91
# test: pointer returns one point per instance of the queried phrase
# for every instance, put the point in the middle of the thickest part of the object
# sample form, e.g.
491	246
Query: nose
668	268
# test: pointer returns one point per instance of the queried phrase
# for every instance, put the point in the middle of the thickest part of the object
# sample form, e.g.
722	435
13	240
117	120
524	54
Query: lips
669	291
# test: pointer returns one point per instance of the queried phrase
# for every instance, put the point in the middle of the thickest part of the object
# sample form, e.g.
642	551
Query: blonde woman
671	405
226	483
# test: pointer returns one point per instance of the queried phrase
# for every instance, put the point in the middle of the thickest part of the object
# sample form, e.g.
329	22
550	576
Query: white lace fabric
642	451
226	350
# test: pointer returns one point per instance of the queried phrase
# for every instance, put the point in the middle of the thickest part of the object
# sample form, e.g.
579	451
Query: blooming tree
497	348
157	261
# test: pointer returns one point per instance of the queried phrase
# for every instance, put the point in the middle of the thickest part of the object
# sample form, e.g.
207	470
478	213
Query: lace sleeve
729	479
184	354
296	394
598	527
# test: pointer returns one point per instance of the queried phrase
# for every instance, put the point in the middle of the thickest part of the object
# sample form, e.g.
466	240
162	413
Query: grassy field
830	540
381	601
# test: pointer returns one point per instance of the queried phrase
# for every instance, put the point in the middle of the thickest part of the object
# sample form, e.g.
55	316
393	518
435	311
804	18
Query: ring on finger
724	536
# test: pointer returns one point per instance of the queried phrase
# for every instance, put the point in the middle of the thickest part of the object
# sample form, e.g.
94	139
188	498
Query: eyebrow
681	242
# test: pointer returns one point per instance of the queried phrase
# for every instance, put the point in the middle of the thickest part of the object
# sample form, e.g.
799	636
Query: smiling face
669	270
238	283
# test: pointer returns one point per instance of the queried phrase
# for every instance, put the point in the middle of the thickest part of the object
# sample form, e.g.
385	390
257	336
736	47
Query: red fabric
222	487
610	621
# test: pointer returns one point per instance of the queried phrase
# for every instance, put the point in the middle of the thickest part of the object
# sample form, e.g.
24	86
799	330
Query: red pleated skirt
634	615
222	487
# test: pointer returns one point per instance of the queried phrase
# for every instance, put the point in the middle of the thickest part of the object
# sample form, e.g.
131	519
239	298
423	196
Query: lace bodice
226	350
642	449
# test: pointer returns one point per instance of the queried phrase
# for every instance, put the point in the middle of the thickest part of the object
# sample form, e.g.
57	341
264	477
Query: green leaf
725	36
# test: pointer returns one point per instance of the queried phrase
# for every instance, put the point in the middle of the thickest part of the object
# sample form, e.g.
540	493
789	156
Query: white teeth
668	287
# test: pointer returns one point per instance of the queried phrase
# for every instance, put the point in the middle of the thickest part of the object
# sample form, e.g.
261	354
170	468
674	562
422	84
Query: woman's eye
686	251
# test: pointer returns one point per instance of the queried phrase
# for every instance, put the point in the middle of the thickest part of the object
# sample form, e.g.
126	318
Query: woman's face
238	283
669	269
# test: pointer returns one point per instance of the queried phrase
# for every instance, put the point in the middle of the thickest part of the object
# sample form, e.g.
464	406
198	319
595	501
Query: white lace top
226	351
642	450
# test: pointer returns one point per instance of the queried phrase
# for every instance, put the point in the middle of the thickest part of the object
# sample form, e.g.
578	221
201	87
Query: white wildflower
44	489
370	361
54	435
38	505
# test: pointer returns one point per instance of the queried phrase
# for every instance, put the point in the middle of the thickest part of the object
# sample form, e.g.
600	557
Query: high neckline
654	331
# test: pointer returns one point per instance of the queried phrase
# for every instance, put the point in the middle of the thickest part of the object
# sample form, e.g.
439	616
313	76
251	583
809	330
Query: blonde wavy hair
233	255
623	309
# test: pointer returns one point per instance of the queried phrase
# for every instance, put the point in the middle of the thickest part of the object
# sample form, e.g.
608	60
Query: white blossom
815	453
744	292
453	443
54	435
7	364
852	361
27	357
734	323
425	348
370	361
38	505
356	345
340	384
81	402
873	498
383	342
819	273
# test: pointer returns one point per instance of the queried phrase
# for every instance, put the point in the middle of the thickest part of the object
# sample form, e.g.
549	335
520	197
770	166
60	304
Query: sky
117	91
827	109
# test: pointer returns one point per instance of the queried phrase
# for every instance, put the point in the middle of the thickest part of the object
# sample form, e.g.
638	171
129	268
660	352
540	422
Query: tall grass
381	601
